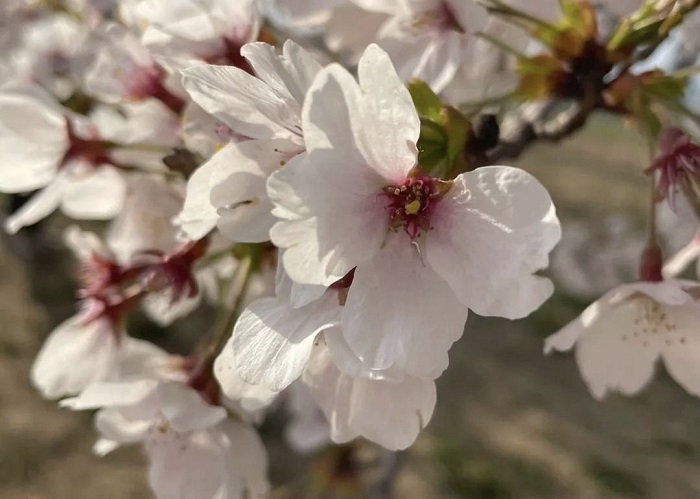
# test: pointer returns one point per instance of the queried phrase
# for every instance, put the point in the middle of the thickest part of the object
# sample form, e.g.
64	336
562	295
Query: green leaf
432	146
457	127
427	104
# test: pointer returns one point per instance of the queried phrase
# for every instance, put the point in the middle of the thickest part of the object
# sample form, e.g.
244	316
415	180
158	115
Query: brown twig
533	124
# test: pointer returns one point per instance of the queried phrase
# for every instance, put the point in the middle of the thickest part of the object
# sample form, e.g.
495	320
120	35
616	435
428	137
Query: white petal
272	341
470	15
238	187
250	398
400	313
432	58
26	166
307	429
186	465
140	358
41	205
73	356
145	222
298	295
391	414
492	231
290	74
326	116
118	430
349	219
94	196
245	460
33	138
111	394
389	126
199	216
678	262
185	409
564	339
161	308
681	348
84	244
671	292
348	363
609	355
104	446
246	104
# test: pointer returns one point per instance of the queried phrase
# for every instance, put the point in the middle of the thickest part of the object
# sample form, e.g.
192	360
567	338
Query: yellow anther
413	207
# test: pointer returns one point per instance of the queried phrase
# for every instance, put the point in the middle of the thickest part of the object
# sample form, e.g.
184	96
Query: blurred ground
509	423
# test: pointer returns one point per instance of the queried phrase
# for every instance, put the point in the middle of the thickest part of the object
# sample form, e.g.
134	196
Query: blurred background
509	423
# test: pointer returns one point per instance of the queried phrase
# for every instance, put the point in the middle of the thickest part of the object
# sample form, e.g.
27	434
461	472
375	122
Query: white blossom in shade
148	122
388	412
621	336
81	351
145	223
347	28
423	250
307	13
229	190
210	30
121	69
33	138
427	39
48	52
194	450
307	429
93	11
43	146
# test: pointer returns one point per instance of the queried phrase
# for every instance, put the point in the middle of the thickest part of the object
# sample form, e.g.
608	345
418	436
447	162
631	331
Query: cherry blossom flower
389	412
123	70
210	30
85	350
310	13
273	344
621	336
229	190
358	200
193	448
48	52
51	148
428	39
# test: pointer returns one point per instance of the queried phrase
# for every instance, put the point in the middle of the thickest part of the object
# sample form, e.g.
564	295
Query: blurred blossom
619	338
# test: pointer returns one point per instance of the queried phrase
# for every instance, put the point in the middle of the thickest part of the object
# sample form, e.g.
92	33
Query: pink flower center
411	204
142	82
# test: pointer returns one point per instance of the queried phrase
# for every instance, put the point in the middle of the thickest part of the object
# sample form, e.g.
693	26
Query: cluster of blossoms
342	242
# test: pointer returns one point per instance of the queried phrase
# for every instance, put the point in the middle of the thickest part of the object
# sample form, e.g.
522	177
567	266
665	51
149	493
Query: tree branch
532	124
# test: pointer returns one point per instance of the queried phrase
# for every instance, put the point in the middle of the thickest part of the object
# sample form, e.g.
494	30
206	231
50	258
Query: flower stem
236	293
651	265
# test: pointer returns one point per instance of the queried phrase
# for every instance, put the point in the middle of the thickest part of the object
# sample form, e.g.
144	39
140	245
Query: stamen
411	204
